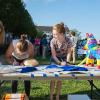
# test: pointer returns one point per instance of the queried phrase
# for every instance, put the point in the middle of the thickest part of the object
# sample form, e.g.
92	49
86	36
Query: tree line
16	18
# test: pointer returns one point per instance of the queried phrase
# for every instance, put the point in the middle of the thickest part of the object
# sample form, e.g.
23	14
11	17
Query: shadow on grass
65	96
6	89
94	95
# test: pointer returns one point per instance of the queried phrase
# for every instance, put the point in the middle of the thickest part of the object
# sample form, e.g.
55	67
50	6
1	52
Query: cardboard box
15	96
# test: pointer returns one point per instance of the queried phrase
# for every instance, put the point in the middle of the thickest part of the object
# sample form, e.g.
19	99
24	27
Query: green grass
40	89
43	61
47	60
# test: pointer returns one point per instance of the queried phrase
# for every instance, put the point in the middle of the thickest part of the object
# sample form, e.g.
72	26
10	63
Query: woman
43	44
18	51
60	49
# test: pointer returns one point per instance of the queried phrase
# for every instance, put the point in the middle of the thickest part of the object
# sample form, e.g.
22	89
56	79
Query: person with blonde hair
60	50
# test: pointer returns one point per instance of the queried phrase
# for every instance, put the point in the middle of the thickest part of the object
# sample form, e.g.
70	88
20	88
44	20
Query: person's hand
63	63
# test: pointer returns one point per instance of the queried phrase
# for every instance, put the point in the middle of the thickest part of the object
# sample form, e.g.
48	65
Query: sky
83	15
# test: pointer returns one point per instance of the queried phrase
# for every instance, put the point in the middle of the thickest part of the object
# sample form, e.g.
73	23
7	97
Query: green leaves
16	18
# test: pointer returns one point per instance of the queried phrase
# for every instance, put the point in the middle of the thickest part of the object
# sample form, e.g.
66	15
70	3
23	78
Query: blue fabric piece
91	75
73	68
44	75
27	69
56	75
52	66
32	75
68	68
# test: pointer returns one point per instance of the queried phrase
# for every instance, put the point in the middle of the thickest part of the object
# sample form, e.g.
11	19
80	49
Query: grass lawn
40	89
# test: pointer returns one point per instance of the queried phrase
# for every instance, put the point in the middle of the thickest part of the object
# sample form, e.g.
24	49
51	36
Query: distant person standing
73	49
37	46
43	44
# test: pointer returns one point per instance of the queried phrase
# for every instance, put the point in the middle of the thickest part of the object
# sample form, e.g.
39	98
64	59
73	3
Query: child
43	44
20	49
21	54
60	50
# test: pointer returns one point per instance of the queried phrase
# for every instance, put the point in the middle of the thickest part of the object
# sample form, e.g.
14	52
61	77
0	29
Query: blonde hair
23	43
59	28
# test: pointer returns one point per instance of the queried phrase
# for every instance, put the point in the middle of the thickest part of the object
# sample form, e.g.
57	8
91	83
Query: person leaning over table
60	50
18	51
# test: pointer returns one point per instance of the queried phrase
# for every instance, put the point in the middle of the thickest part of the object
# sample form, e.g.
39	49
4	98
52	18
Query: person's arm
31	50
62	63
68	54
9	54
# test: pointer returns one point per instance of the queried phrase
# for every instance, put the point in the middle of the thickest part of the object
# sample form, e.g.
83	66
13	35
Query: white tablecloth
9	72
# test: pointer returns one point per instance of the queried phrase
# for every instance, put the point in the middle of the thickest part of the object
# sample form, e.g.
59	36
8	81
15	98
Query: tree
16	18
39	34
